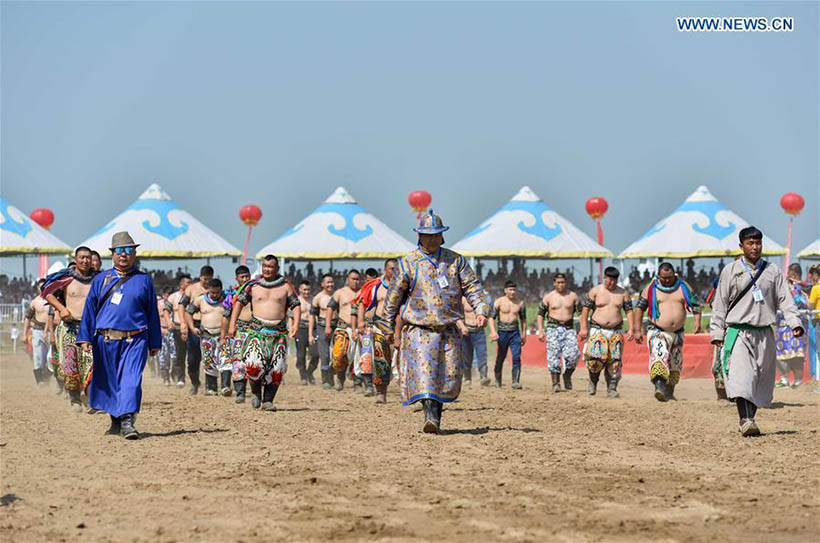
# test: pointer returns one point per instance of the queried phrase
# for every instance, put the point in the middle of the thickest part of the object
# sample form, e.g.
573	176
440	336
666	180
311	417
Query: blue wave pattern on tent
538	228
21	228
162	208
708	210
349	231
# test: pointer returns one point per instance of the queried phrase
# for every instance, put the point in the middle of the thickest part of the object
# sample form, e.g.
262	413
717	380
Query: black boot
431	421
225	376
210	385
76	401
303	377
660	389
556	382
357	383
38	377
256	390
240	390
611	386
127	429
268	394
326	384
115	428
592	387
482	372
516	378
368	385
340	381
467	376
568	378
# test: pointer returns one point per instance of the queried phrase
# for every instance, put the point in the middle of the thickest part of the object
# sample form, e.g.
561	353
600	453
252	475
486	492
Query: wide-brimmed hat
430	223
122	239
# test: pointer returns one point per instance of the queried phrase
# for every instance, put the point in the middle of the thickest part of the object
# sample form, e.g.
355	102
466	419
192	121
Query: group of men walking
422	319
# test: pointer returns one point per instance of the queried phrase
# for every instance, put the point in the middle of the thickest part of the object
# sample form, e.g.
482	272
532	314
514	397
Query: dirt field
512	466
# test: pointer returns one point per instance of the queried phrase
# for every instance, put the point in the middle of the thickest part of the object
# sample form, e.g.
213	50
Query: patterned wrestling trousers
376	355
265	352
167	353
665	354
214	358
562	344
604	349
76	364
235	346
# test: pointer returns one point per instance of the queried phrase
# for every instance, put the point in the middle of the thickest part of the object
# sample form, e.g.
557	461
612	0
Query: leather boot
670	392
431	423
556	382
467	376
268	394
368	385
127	429
240	387
38	377
115	428
592	387
210	385
357	383
76	401
340	381
485	381
611	386
568	378
516	378
225	377
660	389
256	390
381	393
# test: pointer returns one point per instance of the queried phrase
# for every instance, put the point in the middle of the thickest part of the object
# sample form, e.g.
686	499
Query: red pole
44	265
788	245
247	243
601	243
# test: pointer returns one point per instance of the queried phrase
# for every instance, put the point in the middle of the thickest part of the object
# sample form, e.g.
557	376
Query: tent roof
700	227
811	252
20	235
338	229
527	227
163	230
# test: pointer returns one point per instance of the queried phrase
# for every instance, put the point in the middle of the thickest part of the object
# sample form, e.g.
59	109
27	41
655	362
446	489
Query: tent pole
24	265
592	270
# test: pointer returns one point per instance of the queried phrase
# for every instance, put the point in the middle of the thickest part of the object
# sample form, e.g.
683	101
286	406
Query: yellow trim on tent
809	255
536	254
696	254
11	251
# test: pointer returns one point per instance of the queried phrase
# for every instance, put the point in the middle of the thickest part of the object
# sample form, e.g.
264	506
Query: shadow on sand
484	430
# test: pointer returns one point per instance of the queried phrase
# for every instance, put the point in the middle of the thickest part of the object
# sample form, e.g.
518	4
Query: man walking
120	325
749	294
667	298
510	332
558	307
428	288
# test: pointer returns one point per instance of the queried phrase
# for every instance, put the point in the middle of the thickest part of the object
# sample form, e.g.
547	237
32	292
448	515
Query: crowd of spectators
16	289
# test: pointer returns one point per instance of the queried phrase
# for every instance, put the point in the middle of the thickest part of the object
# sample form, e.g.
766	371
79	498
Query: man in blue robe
121	326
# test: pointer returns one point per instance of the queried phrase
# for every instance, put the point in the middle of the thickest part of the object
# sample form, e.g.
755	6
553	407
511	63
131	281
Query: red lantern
792	203
596	207
250	214
419	200
43	216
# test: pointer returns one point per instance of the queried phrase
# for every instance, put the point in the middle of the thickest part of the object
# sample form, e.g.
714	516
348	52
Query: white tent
700	227
811	252
163	230
338	229
21	235
527	227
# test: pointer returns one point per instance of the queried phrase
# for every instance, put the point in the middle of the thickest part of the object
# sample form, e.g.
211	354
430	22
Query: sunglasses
123	250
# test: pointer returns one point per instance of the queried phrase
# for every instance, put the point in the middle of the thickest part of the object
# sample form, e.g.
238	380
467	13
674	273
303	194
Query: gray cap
122	239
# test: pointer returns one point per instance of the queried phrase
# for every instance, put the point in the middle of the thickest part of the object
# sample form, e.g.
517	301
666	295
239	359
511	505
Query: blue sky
277	104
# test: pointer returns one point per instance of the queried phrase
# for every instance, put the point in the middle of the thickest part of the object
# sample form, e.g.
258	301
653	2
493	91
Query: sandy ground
512	466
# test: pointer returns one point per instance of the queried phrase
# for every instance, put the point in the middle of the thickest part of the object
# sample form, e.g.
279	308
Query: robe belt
555	323
617	328
37	325
114	335
730	339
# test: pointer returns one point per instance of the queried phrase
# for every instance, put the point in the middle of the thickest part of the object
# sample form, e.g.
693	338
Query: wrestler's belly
670	319
607	316
561	315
